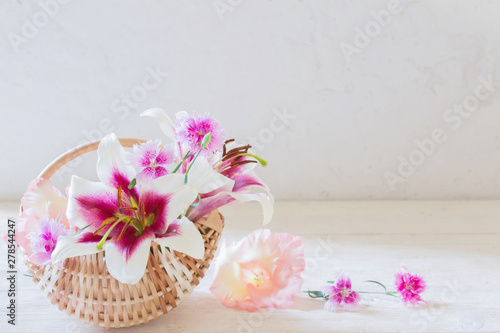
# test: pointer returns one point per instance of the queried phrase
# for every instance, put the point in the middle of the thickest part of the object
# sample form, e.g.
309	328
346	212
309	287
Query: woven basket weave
83	287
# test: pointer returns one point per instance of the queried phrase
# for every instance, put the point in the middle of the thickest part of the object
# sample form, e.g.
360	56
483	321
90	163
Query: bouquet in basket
158	200
150	195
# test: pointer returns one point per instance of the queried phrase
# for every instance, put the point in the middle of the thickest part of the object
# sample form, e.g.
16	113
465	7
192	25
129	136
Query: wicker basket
83	287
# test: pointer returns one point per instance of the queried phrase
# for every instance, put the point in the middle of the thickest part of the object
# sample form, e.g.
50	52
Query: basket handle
73	153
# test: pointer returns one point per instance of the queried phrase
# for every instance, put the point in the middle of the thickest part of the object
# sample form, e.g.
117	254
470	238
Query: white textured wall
355	117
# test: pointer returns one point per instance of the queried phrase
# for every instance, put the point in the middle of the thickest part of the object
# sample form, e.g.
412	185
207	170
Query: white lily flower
125	222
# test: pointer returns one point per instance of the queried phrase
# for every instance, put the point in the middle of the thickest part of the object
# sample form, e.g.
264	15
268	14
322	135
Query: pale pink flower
44	240
152	158
410	286
191	130
41	200
262	270
341	295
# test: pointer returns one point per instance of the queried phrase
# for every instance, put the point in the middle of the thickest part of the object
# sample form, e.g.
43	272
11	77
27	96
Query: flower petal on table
183	236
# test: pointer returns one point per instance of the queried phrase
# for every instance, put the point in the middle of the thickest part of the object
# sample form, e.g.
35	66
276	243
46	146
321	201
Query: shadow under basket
83	288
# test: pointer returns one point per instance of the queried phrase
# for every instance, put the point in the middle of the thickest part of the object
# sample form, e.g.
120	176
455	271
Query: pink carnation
410	286
152	158
44	240
191	130
341	295
262	270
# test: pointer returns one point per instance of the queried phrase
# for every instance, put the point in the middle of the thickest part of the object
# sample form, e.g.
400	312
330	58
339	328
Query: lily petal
209	204
128	267
90	202
265	200
248	181
112	161
180	197
247	187
166	124
183	236
72	246
181	114
203	178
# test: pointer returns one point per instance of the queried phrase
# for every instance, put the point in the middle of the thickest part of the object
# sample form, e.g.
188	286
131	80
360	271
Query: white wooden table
455	245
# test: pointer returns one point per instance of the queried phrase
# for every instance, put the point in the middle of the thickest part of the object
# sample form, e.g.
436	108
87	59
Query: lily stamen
105	223
124	228
129	208
227	167
236	152
120	197
101	243
143	215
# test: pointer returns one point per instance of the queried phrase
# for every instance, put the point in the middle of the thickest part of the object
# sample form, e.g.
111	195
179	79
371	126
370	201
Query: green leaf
331	282
80	230
376	282
132	184
315	294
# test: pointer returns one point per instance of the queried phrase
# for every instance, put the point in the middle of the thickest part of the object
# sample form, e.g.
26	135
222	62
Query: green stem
389	293
191	165
183	159
319	294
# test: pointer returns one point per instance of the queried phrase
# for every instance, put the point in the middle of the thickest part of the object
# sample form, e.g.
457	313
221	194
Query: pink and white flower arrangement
124	221
151	196
260	271
147	197
238	182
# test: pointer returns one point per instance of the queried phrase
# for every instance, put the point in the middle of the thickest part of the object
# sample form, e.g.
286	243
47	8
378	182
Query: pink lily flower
246	186
235	165
341	295
126	222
